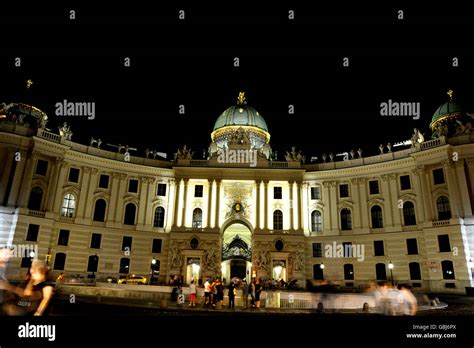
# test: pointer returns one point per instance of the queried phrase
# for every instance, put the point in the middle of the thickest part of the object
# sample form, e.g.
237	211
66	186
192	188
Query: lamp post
322	269
153	263
390	267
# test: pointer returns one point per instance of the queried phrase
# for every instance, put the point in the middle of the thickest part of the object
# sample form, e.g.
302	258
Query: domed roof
447	109
241	115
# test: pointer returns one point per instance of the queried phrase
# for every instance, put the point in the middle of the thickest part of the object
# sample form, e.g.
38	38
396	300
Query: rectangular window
198	190
343	190
95	240
412	246
161	190
74	175
133	186
127	243
405	182
104	181
317	250
315	192
32	234
374	187
438	176
277	193
379	249
156	248
63	238
347	249
41	167
443	242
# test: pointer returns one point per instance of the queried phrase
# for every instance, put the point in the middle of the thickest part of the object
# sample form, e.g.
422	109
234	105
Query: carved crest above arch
375	201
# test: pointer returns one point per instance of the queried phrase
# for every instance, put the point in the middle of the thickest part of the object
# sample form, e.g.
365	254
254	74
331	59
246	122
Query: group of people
391	300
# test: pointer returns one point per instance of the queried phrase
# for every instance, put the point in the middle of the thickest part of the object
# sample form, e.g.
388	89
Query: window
279	245
376	215
198	190
104	181
415	271
315	192
346	219
379	249
156	246
95	240
277	220
347	246
444	244
124	265
343	190
447	269
127	243
316	222
99	210
161	190
374	187
197	218
409	217
27	258
277	192
59	261
348	271
159	218
412	246
69	205
444	210
130	211
41	167
438	176
63	238
405	182
156	267
133	186
36	196
73	175
93	263
317	250
194	243
318	272
380	271
32	234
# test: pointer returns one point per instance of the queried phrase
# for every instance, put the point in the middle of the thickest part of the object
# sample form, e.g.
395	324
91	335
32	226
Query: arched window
124	265
448	269
130	212
444	210
99	210
69	205
318	272
59	261
409	216
415	271
159	218
36	196
346	219
197	218
377	218
316	221
277	220
348	271
380	271
93	263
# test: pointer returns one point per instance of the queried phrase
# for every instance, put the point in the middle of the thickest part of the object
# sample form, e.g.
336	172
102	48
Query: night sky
282	62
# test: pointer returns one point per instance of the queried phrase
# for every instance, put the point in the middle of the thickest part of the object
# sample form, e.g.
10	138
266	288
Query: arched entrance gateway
236	251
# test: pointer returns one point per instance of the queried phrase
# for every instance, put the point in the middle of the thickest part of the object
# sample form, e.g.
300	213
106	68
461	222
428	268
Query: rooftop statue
184	153
65	131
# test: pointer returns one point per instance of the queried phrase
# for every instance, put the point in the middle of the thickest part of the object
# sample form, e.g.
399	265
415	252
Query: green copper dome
241	115
445	110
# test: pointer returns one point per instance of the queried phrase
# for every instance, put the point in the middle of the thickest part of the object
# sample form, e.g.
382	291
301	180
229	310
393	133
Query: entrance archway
236	252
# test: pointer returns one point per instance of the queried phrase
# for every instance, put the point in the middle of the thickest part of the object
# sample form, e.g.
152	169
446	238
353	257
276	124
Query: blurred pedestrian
245	293
192	296
231	294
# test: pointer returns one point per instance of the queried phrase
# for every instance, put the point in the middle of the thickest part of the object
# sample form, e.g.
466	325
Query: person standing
231	295
192	296
207	293
245	293
252	293
220	291
258	290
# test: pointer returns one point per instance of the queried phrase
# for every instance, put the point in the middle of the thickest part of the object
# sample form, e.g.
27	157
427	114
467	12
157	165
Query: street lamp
153	263
390	267
321	266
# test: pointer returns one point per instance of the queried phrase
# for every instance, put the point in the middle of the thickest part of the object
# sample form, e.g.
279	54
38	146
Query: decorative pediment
72	189
317	205
440	191
102	194
345	204
407	197
130	199
158	202
375	201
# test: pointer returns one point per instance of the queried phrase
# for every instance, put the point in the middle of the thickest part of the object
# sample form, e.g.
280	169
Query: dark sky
281	62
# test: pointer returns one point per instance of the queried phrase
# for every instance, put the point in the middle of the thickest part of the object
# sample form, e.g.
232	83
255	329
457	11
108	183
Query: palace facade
404	215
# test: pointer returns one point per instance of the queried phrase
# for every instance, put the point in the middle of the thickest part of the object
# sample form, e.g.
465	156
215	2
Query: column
146	196
218	202
121	193
261	203
334	210
419	172
466	208
396	211
290	193
304	196
7	168
53	183
213	204
112	204
425	188
470	174
209	201
26	181
185	202
257	204
364	209
178	193
265	209
58	199
454	197
328	206
90	194
296	206
170	208
83	192
388	201
356	206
